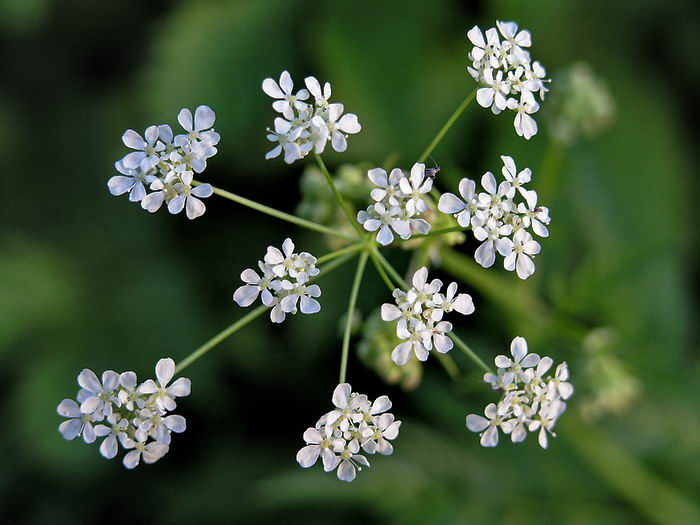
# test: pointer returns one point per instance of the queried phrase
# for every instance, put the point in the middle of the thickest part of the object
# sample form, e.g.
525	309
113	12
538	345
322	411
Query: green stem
199	352
351	217
342	251
449	365
381	271
389	268
460	109
469	352
351	310
279	214
245	320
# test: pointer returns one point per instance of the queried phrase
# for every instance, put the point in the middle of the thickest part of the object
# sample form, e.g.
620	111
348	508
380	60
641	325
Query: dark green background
89	280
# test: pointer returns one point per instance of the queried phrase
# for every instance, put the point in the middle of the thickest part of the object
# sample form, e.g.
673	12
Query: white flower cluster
398	201
494	217
166	164
307	125
509	77
126	413
530	401
355	423
282	283
420	312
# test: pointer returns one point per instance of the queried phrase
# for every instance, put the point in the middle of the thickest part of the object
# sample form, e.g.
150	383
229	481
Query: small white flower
522	249
339	127
132	181
515	180
525	125
79	423
533	215
488	426
198	129
494	95
492	233
496	199
521	359
98	397
287	100
165	395
151	453
415	187
463	209
558	386
321	446
146	155
387	187
286	137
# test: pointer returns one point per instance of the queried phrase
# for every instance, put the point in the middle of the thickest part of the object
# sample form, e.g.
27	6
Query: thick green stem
346	209
279	214
351	311
460	109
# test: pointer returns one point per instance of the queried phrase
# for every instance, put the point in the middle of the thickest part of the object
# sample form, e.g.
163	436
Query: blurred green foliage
89	280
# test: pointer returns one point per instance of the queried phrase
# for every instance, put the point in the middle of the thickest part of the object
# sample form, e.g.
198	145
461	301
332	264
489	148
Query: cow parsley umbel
124	412
309	121
283	283
532	399
354	426
419	312
399	200
500	217
503	215
166	164
509	78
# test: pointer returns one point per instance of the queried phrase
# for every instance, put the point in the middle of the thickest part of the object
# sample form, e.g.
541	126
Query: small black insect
432	172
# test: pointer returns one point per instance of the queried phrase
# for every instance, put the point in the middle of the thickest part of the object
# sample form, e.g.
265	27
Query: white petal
349	123
450	203
485	254
477	423
119	184
463	304
490	437
246	295
402	353
165	369
181	387
195	207
346	471
203	191
88	380
341	395
442	343
70	429
518	348
69	408
175	423
175	205
185	119
309	305
484	96
133	140
390	312
384	237
108	448
381	404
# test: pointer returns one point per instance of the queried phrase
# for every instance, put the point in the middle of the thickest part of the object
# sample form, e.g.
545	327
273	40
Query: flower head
125	413
355	425
530	401
308	125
